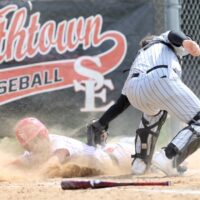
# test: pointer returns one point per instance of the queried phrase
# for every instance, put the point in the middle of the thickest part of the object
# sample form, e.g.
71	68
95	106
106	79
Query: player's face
38	145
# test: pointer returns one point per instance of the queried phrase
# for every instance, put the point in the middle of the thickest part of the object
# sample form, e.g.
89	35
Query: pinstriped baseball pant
162	89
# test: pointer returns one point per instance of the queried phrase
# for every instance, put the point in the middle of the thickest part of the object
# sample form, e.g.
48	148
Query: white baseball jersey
121	152
160	88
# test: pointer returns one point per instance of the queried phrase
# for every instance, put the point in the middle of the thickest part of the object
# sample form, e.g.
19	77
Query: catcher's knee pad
185	142
147	135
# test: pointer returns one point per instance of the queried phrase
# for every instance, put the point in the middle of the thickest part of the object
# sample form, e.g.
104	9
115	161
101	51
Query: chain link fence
190	24
189	19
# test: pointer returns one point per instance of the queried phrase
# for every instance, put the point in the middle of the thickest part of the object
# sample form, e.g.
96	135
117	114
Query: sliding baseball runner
41	147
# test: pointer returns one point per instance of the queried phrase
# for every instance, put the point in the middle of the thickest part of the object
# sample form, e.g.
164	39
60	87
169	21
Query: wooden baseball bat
94	184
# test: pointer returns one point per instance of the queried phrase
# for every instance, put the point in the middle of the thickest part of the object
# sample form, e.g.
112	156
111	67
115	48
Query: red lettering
46	37
16	36
18	41
3	23
71	36
93	29
33	29
61	38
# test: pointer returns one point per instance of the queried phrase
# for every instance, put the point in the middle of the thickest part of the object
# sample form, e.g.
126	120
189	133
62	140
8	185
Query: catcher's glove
96	134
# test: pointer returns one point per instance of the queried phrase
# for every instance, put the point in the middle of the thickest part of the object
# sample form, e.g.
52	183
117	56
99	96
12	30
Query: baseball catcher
154	87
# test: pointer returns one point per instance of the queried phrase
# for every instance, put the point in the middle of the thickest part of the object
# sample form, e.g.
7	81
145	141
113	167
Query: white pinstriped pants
162	89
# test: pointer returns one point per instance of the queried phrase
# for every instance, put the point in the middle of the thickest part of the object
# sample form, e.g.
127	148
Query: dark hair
145	40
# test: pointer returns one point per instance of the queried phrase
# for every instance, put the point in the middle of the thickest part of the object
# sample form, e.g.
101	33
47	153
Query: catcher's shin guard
146	138
96	133
186	142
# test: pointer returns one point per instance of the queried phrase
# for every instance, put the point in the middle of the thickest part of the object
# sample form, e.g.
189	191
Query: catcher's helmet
28	128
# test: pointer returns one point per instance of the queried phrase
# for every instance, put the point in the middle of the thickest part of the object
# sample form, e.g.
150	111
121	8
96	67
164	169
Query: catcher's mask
28	129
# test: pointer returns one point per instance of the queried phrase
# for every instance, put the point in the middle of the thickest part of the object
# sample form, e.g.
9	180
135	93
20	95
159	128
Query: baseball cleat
165	164
138	167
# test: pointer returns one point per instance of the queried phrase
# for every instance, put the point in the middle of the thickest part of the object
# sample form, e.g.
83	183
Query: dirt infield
183	188
28	185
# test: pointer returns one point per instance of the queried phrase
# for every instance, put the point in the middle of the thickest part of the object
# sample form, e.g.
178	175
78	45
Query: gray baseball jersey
154	82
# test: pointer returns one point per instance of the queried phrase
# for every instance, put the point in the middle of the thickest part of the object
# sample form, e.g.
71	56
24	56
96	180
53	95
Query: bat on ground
95	184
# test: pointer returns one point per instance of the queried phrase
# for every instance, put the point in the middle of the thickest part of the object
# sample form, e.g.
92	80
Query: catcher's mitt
96	134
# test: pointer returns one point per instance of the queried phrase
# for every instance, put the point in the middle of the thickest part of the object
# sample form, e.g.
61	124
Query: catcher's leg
182	145
145	141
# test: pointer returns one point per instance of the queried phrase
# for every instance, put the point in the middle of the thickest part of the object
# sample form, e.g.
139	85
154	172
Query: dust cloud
10	150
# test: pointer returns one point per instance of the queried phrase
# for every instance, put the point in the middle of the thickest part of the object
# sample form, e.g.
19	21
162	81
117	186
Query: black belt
135	75
149	70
